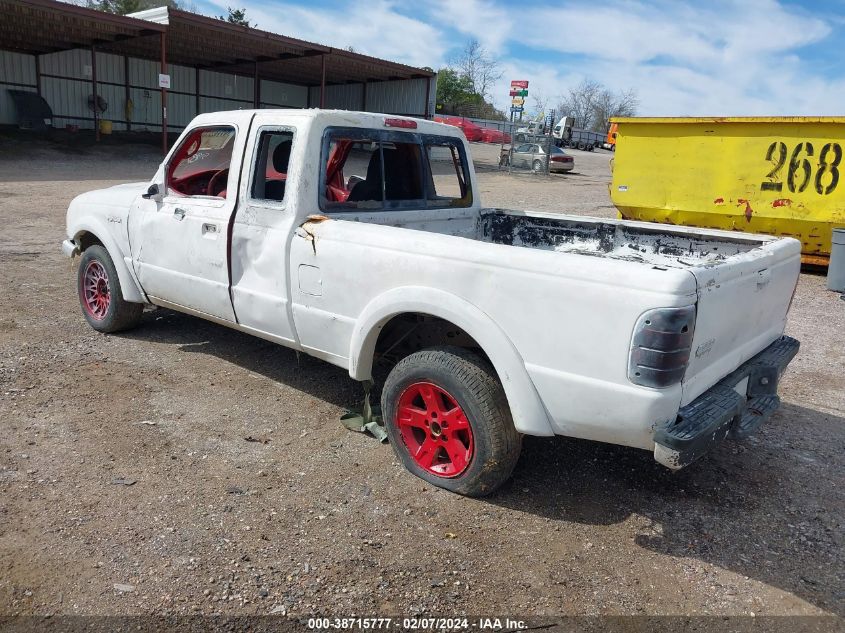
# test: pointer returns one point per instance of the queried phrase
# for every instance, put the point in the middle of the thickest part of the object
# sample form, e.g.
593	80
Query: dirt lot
313	518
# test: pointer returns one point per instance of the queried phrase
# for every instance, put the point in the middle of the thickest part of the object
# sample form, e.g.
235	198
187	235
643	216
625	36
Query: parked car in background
492	135
472	131
533	156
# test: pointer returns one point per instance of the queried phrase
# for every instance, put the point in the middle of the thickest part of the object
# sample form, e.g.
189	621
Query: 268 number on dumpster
799	173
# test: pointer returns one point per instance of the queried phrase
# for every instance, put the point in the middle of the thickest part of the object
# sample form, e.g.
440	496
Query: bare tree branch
479	67
541	102
592	104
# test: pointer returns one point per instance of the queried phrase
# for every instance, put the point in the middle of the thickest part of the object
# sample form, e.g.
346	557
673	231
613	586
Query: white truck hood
119	196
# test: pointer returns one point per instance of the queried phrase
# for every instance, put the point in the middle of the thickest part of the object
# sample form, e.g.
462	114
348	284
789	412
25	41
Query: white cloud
697	35
724	57
373	28
483	20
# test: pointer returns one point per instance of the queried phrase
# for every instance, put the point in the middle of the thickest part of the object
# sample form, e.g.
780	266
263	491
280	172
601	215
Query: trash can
105	126
836	269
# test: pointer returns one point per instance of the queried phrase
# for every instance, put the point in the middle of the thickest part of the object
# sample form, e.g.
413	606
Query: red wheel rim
96	296
435	429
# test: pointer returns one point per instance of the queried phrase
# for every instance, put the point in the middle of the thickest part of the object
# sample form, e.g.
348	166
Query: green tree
453	89
456	95
236	16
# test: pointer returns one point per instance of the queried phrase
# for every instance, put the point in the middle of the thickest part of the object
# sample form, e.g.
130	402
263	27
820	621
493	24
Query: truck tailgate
742	306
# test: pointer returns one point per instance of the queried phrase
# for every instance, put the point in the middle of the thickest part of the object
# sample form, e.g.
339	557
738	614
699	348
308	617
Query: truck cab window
272	161
448	186
353	173
388	172
368	173
200	165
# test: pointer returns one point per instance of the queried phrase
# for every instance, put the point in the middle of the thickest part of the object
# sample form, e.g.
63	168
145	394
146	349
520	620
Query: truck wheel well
410	332
86	239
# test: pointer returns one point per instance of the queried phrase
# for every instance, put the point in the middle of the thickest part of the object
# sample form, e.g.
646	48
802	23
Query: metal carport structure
211	64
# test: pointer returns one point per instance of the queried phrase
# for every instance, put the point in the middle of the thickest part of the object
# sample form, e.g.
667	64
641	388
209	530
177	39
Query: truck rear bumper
735	407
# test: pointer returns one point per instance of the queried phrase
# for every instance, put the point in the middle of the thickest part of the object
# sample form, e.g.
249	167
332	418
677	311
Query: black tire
472	383
537	166
120	314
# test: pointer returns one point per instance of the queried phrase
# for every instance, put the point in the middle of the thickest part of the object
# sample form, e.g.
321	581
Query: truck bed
744	282
658	245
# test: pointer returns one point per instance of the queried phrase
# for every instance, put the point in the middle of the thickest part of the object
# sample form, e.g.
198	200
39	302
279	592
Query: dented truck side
662	338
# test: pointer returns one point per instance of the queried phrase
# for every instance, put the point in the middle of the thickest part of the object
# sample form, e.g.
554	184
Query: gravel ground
187	468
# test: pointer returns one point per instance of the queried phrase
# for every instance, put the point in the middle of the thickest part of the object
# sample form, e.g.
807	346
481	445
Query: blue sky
721	57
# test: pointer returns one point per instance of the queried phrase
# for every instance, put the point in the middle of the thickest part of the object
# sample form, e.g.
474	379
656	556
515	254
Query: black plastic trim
722	412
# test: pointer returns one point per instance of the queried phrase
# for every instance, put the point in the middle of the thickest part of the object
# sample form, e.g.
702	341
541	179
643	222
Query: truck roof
326	118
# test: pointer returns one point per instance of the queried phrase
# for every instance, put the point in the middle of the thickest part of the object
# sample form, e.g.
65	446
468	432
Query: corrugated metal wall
146	96
397	97
391	97
278	95
17	72
345	97
221	91
66	85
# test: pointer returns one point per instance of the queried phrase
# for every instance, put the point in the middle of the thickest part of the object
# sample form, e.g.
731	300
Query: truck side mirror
152	191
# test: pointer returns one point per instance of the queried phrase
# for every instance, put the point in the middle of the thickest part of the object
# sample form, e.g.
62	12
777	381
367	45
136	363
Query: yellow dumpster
774	175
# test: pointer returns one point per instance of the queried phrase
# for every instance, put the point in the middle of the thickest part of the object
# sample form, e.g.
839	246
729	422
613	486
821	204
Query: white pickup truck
359	239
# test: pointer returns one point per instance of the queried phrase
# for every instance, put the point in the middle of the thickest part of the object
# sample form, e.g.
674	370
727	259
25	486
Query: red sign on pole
519	83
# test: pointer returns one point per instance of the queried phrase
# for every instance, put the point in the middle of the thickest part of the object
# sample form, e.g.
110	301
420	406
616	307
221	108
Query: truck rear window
372	169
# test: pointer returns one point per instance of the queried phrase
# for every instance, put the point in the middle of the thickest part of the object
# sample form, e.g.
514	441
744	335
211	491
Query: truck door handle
179	214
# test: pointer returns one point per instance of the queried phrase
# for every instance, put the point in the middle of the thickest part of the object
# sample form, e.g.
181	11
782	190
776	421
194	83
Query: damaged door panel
261	231
179	237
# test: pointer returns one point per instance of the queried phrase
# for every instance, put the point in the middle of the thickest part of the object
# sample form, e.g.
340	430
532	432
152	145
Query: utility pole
513	138
549	142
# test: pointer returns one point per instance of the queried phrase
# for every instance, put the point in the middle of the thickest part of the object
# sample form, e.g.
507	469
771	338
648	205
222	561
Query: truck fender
129	286
529	413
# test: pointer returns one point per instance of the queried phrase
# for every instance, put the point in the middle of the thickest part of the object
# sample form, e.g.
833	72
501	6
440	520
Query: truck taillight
660	348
